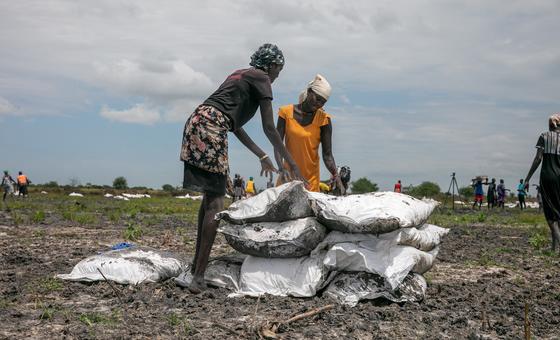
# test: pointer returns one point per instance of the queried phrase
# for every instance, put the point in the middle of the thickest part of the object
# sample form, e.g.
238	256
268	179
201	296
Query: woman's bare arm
536	162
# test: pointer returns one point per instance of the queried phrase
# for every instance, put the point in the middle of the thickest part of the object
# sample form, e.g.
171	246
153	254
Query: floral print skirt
205	150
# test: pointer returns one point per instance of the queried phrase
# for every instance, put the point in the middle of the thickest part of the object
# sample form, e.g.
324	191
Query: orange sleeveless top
303	143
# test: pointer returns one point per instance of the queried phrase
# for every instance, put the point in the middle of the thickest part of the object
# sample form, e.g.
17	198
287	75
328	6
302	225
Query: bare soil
478	289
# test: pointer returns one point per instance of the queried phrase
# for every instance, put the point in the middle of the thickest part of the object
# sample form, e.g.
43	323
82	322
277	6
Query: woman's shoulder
323	117
286	111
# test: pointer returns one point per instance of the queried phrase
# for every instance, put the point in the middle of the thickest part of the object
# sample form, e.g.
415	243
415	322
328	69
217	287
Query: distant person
491	194
521	193
7	184
478	193
204	149
539	197
398	187
548	152
22	182
304	127
238	190
250	189
501	194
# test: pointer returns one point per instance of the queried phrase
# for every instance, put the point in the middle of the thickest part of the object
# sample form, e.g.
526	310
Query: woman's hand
267	168
336	179
295	175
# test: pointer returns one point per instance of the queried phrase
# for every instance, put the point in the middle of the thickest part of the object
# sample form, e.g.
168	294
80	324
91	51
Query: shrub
426	189
167	187
362	186
466	191
120	183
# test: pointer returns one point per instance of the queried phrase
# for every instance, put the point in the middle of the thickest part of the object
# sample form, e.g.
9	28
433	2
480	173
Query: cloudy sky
99	89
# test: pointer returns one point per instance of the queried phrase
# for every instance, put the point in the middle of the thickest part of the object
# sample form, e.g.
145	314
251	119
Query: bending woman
305	126
205	143
548	151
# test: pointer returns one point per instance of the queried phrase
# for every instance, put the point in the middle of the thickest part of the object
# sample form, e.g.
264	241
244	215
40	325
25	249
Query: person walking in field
501	194
22	182
304	127
204	149
7	185
478	193
548	152
238	190
491	194
521	193
398	186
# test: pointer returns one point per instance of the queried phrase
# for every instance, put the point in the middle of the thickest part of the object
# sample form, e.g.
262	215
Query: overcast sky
99	89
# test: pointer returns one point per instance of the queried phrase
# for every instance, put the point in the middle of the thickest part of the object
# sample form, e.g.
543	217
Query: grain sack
222	272
293	238
373	213
286	202
132	265
350	288
300	277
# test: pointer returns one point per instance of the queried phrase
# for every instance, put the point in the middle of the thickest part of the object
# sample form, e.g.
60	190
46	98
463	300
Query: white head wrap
554	120
319	85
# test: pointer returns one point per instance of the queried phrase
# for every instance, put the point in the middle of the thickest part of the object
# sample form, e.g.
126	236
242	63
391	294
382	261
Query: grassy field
491	260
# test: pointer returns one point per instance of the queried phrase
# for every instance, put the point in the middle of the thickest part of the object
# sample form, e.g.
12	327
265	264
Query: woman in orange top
305	126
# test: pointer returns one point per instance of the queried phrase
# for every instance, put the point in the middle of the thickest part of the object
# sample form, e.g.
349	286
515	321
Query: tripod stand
452	186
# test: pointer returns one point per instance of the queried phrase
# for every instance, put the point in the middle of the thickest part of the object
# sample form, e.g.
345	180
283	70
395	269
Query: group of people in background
17	186
497	193
241	189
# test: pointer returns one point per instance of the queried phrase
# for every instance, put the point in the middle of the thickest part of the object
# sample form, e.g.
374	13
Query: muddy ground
478	289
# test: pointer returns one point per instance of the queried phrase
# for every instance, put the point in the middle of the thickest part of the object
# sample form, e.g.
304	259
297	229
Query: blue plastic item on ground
122	245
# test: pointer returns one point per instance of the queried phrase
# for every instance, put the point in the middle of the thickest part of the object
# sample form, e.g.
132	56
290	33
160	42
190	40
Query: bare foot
197	286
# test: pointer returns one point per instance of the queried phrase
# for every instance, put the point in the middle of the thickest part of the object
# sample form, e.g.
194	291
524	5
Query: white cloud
139	114
7	108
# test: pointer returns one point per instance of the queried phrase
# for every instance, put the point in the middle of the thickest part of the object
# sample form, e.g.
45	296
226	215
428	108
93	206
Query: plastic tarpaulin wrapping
350	288
293	238
300	277
132	265
285	202
373	213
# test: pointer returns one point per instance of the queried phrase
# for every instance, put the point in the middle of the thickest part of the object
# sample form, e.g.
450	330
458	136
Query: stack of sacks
379	244
276	229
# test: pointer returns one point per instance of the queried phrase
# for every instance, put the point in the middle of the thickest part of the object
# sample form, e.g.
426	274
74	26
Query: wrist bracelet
263	158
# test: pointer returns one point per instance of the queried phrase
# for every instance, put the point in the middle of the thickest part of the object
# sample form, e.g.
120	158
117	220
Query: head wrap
319	85
554	121
266	55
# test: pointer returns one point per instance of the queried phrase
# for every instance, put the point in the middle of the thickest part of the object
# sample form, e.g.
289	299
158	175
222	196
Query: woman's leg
213	203
555	233
198	233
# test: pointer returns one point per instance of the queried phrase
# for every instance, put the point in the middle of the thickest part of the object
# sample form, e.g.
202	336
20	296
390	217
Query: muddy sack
350	288
288	201
222	272
299	277
132	265
373	213
425	238
293	238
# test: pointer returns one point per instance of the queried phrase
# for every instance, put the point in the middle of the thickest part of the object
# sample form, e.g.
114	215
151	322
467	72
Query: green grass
90	319
49	284
539	237
133	232
38	217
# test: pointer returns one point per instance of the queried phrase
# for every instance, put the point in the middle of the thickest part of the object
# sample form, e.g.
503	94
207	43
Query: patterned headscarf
554	121
266	55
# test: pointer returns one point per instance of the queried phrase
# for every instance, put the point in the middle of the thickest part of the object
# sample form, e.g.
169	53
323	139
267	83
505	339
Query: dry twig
112	287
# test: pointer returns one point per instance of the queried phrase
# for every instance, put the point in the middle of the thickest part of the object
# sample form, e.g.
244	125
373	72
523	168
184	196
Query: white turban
554	120
319	85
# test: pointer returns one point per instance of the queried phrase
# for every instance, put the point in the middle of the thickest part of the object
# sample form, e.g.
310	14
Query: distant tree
74	182
167	187
120	183
426	189
363	185
466	191
51	184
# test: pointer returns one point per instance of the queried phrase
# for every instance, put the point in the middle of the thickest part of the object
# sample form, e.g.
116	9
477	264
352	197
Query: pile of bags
352	248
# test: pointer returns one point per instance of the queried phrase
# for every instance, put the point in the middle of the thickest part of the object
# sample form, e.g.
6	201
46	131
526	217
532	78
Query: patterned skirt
205	151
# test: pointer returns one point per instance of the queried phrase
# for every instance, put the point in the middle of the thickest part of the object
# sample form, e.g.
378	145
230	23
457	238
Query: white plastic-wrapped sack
424	238
350	288
293	238
288	201
300	277
75	194
390	261
373	213
222	272
127	266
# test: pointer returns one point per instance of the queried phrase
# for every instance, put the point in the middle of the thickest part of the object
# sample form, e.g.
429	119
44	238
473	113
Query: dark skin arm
281	128
536	162
273	137
328	158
